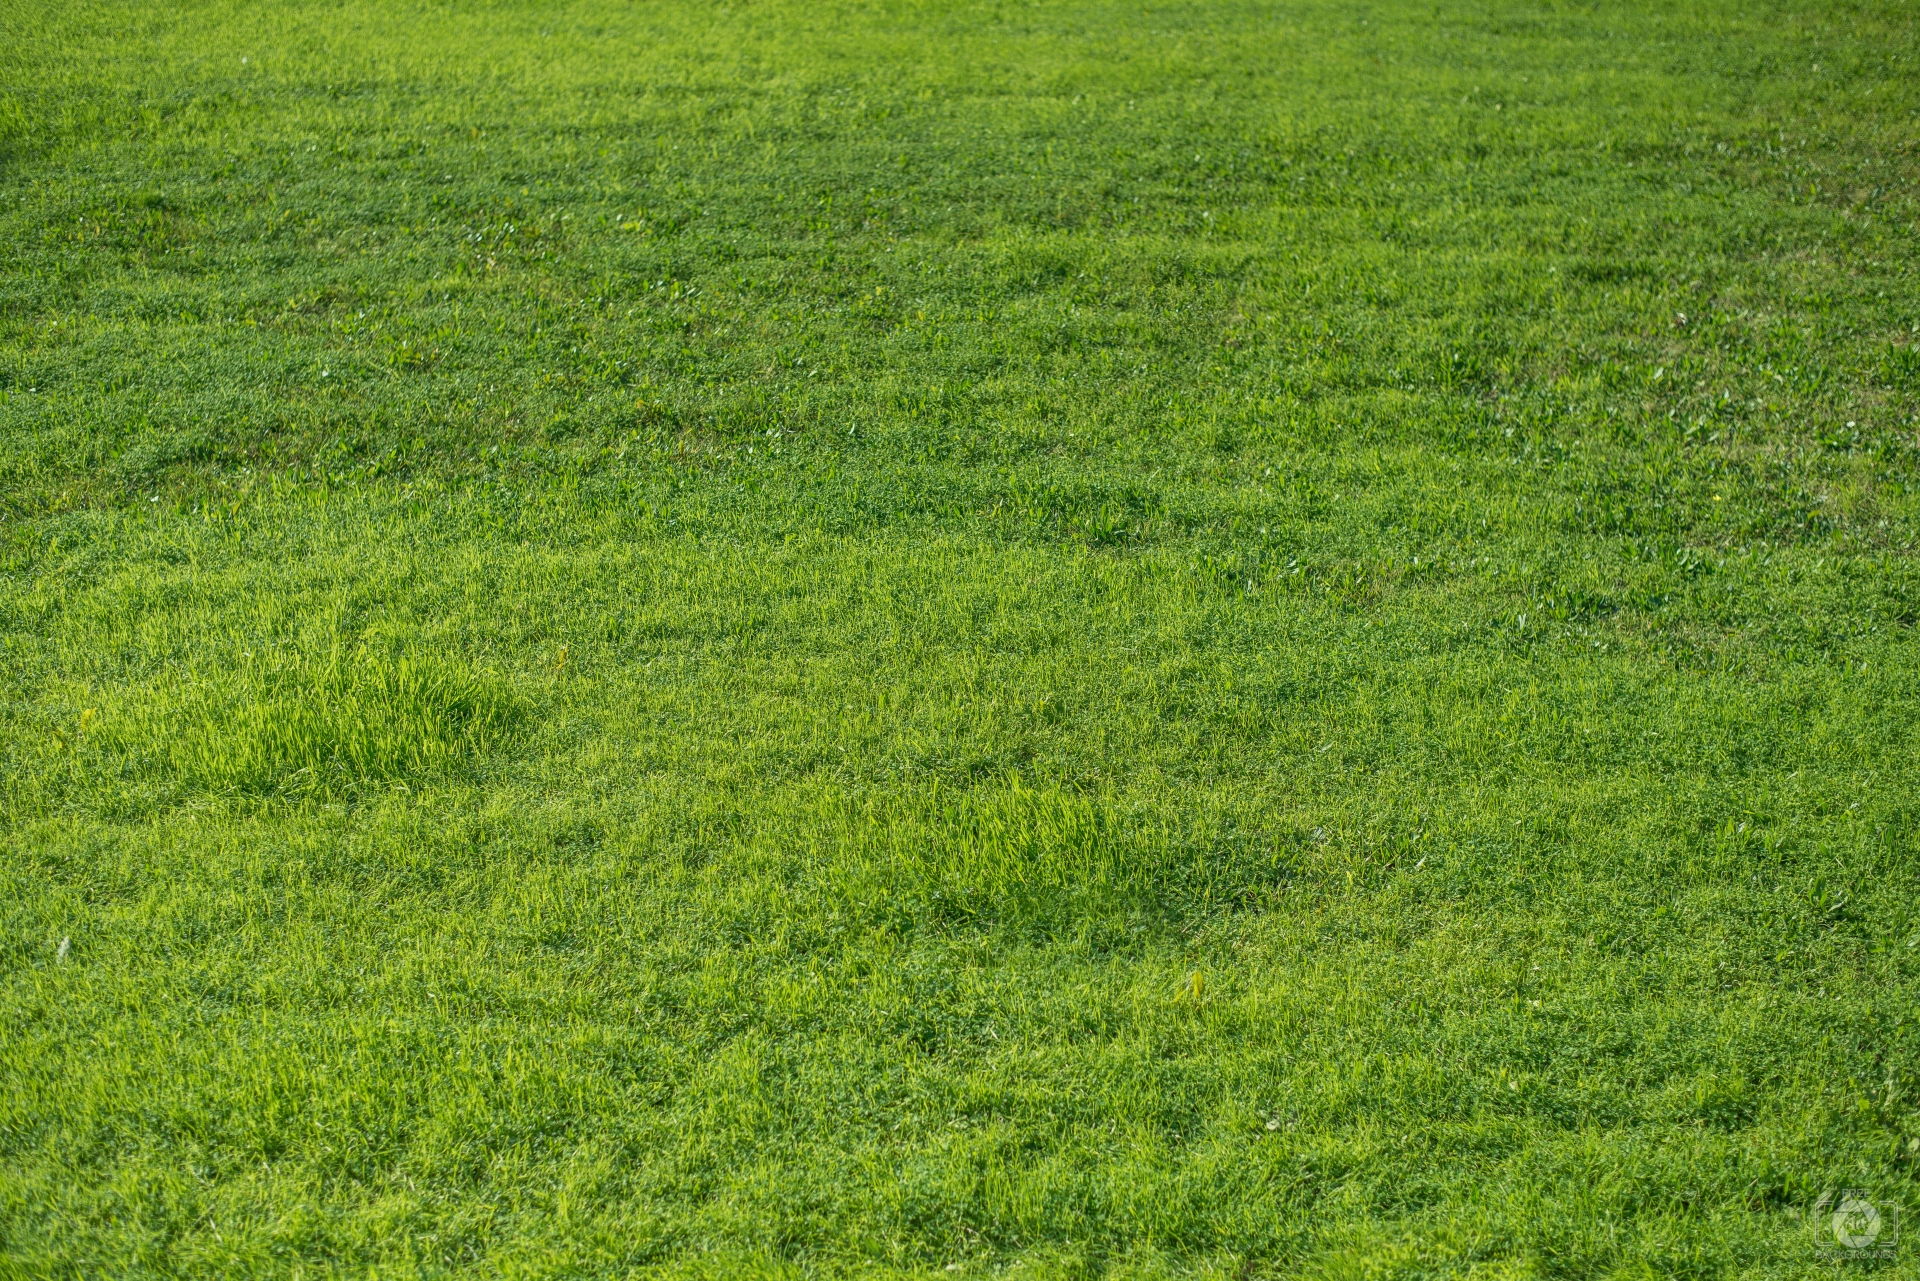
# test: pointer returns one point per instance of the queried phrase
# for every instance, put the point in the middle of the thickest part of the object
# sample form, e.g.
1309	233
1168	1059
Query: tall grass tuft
326	725
1039	856
1016	846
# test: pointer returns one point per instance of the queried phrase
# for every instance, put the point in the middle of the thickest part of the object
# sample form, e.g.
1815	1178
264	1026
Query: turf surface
1116	640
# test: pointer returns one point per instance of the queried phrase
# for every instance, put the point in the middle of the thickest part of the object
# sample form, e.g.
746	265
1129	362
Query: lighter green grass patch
296	725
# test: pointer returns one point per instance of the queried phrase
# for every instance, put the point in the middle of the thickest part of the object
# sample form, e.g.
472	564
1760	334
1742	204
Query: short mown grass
770	640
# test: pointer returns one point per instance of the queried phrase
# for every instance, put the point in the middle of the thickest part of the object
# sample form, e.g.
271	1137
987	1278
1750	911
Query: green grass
1242	639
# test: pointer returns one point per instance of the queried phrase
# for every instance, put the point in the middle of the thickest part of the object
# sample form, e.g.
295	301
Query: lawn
1243	639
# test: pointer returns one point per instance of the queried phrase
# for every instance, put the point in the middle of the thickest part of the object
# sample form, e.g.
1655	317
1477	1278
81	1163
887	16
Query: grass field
1248	639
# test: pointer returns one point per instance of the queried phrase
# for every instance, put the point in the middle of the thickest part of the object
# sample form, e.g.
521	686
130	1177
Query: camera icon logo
1852	1224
